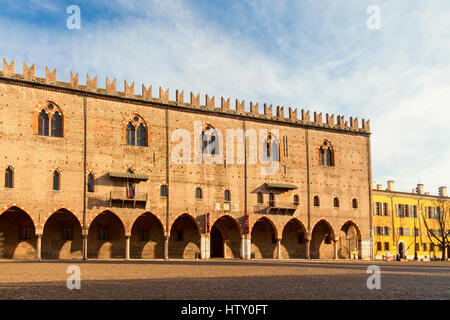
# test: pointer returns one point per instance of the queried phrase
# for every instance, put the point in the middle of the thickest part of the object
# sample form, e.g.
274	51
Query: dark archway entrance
18	235
184	241
264	239
61	238
293	242
349	242
322	246
147	238
226	239
216	243
106	238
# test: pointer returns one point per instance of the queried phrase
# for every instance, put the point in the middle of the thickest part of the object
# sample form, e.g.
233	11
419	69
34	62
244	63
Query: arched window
43	123
259	197
163	191
209	141
56	125
296	200
326	154
271	148
56	180
316	201
336	202
9	178
90	183
227	195
321	156
198	193
142	136
355	203
130	134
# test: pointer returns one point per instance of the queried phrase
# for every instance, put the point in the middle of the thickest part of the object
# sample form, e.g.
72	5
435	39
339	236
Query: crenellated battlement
269	112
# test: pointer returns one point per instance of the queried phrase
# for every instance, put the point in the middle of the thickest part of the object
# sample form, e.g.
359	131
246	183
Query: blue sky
316	55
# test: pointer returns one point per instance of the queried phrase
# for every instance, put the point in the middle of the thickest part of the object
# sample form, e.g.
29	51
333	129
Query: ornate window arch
49	120
227	195
198	193
355	203
296	200
316	201
136	131
91	182
209	140
271	148
326	154
336	202
163	190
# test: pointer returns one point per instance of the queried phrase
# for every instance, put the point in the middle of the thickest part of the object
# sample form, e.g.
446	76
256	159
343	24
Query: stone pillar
205	246
166	247
84	245
246	247
335	242
127	247
278	248
38	246
308	246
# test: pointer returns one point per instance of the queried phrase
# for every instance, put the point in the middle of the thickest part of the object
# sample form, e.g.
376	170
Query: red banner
247	226
207	223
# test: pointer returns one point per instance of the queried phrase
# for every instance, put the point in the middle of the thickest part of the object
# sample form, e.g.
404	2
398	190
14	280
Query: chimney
379	187
443	192
419	189
390	185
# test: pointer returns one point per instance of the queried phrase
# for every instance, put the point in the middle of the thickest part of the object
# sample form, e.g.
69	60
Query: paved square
224	279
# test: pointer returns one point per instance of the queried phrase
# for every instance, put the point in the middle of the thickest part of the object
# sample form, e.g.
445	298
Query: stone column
246	247
205	246
127	247
38	246
278	248
166	247
84	245
335	241
308	246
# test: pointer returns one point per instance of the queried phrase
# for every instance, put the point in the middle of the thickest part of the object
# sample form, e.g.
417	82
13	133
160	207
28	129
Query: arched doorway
147	238
293	241
349	241
322	246
106	238
264	239
216	243
61	238
402	250
18	235
184	241
225	238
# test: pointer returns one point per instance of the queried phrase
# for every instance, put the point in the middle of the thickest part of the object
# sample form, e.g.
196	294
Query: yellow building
403	223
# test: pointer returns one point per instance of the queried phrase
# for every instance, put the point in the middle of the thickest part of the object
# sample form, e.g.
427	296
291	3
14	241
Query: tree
441	218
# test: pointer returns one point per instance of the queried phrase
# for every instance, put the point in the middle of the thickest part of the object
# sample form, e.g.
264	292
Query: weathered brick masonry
39	222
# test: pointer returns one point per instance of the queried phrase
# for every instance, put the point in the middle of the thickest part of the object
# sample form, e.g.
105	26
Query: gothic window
136	132
43	123
103	234
90	184
130	134
271	200
355	203
67	233
227	195
326	154
271	148
9	178
296	200
198	193
56	125
56	180
209	141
